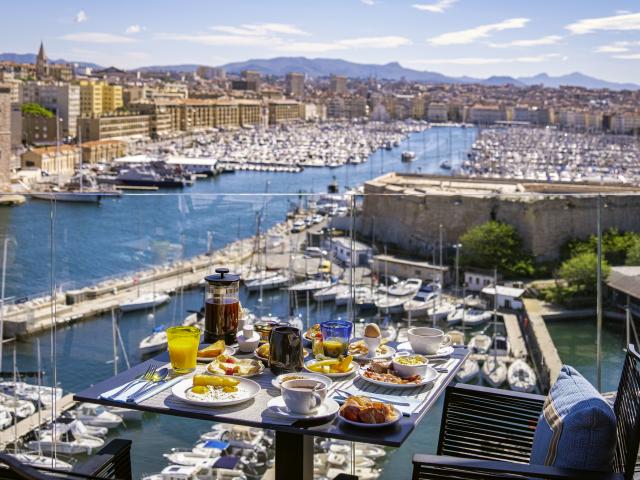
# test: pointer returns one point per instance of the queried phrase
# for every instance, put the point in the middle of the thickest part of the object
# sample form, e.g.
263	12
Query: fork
145	377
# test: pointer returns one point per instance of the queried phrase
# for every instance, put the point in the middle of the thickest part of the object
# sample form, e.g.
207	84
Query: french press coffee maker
221	306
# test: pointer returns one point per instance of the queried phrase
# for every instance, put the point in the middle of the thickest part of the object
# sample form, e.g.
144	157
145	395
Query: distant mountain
323	67
576	79
31	58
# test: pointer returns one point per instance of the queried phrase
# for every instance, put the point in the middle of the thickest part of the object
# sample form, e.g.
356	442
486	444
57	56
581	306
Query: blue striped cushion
577	428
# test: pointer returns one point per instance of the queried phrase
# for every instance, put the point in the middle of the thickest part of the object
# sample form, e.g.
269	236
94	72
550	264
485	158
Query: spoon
160	375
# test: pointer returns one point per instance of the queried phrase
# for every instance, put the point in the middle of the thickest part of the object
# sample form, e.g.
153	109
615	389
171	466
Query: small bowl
403	370
248	345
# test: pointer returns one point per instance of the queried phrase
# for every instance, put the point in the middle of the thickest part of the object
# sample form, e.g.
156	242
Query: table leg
294	456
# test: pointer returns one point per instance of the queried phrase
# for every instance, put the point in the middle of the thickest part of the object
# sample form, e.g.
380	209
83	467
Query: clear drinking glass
183	348
336	335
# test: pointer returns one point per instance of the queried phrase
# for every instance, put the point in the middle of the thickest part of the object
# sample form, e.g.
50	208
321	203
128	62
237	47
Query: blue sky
455	37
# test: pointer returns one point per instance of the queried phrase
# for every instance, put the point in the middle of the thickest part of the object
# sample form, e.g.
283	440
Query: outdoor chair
488	433
112	462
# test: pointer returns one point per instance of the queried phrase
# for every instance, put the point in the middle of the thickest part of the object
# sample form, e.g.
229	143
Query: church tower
42	67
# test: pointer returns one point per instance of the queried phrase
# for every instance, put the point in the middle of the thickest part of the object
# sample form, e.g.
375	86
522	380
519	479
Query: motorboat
127	414
190	457
311	285
500	346
65	441
468	372
5	417
521	377
143	176
445	165
408	156
389	304
440	311
343	297
37	460
271	282
494	372
79	428
480	343
34	393
97	416
420	304
330	293
204	470
144	302
19	408
155	342
408	287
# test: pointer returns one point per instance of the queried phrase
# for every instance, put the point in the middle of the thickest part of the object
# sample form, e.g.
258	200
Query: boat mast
599	298
495	316
79	142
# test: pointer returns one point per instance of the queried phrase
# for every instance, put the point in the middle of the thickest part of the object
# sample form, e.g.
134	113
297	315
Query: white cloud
96	37
305	48
629	56
535	42
617	47
438	7
375	42
486	60
260	29
133	29
624	22
81	17
464	37
368	2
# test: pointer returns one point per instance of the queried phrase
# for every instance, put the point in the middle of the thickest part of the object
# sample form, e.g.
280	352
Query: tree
35	109
580	271
633	254
495	245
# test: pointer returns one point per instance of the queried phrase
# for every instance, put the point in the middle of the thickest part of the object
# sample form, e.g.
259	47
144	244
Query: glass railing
69	268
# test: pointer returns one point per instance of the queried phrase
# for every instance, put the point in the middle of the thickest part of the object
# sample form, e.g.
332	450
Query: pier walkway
34	421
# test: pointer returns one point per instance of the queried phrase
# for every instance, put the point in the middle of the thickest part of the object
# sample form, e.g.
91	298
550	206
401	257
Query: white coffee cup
426	340
303	396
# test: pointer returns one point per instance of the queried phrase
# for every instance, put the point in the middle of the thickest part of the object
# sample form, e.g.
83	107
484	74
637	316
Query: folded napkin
136	386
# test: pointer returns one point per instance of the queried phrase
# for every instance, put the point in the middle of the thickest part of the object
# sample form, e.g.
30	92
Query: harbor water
140	230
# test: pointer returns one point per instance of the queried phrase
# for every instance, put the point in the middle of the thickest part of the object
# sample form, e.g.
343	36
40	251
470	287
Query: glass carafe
221	307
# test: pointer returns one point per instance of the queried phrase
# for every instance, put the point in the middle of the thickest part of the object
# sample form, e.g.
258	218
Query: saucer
442	352
277	406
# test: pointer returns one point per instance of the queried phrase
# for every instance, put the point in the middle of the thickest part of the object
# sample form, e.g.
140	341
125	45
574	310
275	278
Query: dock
35	421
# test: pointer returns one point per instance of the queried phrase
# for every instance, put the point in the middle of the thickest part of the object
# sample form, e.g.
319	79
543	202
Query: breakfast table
294	438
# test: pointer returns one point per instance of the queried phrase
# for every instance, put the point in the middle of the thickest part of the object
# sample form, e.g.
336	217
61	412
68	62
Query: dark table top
253	413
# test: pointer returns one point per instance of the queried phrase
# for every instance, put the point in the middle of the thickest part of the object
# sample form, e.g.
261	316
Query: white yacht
65	441
330	293
468	372
390	304
440	311
343	298
144	302
37	460
521	377
480	343
97	416
5	418
271	282
312	285
494	372
411	286
156	342
20	408
420	304
470	317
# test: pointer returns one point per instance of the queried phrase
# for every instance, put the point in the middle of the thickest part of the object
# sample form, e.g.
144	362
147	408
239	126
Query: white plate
374	425
329	408
390	352
441	353
228	350
312	376
247	389
354	367
430	376
260	370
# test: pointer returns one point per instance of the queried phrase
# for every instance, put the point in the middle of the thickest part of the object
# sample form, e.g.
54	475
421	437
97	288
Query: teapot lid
222	277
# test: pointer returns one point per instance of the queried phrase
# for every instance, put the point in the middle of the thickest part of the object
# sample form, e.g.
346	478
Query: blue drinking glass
335	337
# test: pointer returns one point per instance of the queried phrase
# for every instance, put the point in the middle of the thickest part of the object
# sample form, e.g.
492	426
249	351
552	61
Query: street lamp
457	246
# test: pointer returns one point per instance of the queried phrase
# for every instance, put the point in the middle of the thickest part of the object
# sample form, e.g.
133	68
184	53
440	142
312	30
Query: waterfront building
476	279
407	210
102	151
249	112
120	125
403	267
283	111
154	93
343	249
437	112
63	99
45	159
486	114
509	298
5	135
338	84
294	84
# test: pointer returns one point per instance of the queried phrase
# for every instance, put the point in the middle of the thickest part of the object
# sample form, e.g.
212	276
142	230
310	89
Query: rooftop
625	280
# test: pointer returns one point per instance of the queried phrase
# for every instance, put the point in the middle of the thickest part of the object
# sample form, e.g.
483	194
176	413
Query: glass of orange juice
183	348
336	335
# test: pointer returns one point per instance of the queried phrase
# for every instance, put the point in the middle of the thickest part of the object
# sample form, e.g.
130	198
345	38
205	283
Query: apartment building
486	114
99	97
437	112
283	111
250	112
38	130
5	135
109	126
46	159
61	98
154	93
294	84
338	84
